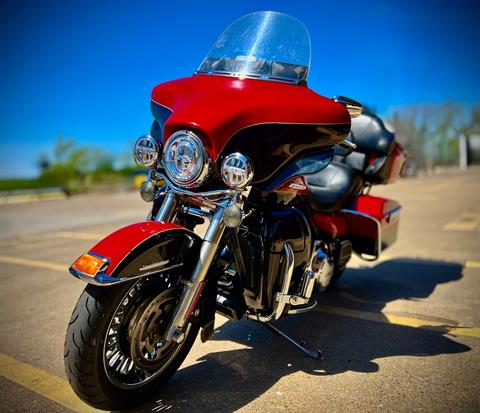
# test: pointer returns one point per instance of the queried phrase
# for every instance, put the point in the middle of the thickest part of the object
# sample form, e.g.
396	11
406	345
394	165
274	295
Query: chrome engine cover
319	271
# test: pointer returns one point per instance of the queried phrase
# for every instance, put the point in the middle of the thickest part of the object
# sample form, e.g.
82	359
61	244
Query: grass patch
33	183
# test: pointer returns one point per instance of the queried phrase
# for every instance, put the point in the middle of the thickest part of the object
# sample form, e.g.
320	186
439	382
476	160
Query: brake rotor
148	349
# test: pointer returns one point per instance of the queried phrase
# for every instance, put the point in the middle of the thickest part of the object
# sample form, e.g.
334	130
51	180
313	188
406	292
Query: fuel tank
273	123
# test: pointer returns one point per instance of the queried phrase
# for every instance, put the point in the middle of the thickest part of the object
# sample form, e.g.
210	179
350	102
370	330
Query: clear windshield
265	45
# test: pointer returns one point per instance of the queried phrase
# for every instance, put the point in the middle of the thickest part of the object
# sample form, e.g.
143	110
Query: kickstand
316	354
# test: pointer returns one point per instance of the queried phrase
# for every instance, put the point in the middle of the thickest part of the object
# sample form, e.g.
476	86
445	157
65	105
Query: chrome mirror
353	107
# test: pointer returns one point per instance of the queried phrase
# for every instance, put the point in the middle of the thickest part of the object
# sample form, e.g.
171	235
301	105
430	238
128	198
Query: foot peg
316	354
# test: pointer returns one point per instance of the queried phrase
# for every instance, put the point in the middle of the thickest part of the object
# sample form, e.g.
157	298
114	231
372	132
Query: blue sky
85	69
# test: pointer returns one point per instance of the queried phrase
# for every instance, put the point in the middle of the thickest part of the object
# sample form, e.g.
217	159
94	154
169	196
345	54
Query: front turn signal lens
88	264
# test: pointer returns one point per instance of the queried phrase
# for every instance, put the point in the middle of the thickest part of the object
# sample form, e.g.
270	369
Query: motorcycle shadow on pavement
228	380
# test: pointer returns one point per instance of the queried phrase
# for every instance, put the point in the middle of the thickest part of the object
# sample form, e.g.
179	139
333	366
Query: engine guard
136	251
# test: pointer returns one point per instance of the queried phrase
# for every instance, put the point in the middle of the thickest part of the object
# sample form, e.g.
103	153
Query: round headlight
146	151
237	170
185	160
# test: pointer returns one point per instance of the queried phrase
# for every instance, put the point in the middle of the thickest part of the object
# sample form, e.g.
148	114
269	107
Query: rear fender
139	250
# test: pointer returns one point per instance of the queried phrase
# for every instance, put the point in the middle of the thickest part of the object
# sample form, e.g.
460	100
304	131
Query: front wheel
114	353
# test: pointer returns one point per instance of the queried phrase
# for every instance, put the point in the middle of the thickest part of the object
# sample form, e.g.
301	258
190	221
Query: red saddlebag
372	224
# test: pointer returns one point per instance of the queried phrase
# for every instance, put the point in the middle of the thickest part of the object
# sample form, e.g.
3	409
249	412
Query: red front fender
112	255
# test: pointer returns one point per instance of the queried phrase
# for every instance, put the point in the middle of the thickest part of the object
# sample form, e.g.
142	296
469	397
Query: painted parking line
43	383
89	236
472	264
93	236
359	263
341	311
468	221
7	259
59	391
398	320
18	239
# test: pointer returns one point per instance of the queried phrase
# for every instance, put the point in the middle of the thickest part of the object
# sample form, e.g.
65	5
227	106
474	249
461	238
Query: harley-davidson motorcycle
260	195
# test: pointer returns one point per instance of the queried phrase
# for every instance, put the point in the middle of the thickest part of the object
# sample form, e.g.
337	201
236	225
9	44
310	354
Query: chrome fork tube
192	287
167	210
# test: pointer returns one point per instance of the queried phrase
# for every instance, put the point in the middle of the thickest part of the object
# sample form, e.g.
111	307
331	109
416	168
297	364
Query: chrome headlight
146	151
237	170
185	160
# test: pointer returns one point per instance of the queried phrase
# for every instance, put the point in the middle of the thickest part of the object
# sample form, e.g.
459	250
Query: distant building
469	150
474	148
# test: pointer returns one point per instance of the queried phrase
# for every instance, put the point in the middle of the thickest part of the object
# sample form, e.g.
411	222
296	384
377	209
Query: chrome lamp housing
185	160
146	151
237	170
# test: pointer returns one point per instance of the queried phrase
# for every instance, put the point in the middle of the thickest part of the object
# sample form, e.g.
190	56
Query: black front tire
84	348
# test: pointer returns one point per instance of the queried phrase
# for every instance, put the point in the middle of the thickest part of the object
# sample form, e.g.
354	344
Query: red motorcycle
280	174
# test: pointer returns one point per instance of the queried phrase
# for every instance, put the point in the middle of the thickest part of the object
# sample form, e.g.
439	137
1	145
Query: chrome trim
102	279
247	168
300	310
319	270
154	265
310	274
208	199
191	287
149	151
204	172
347	145
197	212
281	298
354	108
241	76
379	232
215	201
167	209
215	229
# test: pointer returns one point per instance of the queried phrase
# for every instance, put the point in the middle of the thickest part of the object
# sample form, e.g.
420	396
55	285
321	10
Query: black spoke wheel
114	352
146	330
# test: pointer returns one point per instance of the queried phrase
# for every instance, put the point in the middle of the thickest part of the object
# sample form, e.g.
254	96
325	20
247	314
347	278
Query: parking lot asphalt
401	334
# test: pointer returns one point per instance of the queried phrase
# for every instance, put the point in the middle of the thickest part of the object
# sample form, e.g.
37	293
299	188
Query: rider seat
375	145
331	187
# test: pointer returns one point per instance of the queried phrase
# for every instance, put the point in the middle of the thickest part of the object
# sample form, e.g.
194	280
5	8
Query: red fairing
217	107
117	245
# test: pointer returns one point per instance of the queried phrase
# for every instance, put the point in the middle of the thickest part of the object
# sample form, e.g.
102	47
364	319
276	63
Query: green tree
430	132
75	167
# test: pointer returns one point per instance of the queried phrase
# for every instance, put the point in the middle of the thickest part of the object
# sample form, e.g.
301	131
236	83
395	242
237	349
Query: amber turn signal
88	264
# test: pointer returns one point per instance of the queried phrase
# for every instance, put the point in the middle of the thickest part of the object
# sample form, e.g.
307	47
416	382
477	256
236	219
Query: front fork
192	288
